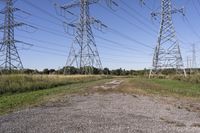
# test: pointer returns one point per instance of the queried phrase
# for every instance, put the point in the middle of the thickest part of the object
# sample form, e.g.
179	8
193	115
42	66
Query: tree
117	72
106	71
45	71
71	70
52	71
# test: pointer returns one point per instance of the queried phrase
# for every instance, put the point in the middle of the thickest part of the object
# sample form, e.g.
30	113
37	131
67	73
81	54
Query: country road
105	113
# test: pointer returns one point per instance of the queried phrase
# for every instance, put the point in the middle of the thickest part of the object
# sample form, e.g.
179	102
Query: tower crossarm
97	23
16	24
17	41
175	10
29	44
71	5
11	10
77	3
13	25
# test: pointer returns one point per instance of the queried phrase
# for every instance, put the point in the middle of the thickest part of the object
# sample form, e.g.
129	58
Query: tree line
91	70
73	71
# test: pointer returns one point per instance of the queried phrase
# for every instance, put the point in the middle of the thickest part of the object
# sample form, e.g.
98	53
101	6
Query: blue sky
50	50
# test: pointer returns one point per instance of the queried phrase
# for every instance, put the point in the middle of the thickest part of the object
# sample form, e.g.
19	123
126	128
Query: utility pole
83	53
9	56
167	54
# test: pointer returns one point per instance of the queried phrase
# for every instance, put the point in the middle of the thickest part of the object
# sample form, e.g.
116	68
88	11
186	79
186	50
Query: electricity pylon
189	64
83	53
194	63
167	54
9	56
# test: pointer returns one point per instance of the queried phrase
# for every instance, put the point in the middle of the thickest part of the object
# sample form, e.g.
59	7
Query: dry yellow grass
23	83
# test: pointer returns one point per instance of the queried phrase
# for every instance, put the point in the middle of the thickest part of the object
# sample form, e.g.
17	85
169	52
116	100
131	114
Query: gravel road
104	113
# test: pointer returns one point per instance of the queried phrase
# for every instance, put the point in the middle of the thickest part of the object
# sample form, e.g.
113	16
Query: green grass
166	87
12	102
24	83
24	95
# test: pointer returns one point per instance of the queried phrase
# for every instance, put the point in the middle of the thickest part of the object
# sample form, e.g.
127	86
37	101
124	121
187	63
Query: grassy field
25	83
31	97
163	87
22	91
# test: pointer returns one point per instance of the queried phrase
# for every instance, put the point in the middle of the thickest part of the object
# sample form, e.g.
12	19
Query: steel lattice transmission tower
167	54
83	53
194	63
9	56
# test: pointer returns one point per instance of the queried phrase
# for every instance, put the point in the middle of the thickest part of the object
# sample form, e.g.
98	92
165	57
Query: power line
60	51
42	10
195	8
123	35
127	21
191	27
44	28
39	40
58	34
40	27
64	46
129	38
122	45
111	48
149	8
63	55
104	39
47	52
47	20
136	18
116	60
128	6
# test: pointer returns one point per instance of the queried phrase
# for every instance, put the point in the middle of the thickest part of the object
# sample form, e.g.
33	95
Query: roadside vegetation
192	78
18	83
19	91
32	90
163	87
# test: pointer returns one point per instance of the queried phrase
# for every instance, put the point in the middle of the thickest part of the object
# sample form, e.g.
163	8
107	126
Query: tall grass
23	83
16	101
193	78
190	78
166	87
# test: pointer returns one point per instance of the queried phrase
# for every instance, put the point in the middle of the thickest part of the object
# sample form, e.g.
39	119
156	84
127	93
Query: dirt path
104	113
